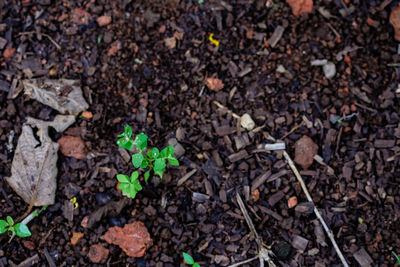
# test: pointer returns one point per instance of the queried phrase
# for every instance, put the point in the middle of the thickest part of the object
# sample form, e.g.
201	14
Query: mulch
131	75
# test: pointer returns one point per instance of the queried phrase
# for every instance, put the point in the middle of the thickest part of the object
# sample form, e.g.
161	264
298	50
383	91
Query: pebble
247	122
305	150
102	198
117	221
329	70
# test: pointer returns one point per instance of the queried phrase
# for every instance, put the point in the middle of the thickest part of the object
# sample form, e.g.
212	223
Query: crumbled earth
262	53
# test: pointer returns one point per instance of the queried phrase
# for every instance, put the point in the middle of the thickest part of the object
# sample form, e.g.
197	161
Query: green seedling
397	257
20	229
151	159
189	260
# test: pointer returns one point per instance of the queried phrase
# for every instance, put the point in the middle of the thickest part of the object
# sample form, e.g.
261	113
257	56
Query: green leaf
159	173
123	186
134	177
137	185
188	259
149	152
146	176
10	221
125	142
159	165
141	141
196	264
3	226
144	164
22	230
173	162
137	159
128	131
122	178
155	152
168	152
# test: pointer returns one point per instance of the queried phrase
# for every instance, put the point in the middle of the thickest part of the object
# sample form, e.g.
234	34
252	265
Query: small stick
223	107
45	35
309	198
293	129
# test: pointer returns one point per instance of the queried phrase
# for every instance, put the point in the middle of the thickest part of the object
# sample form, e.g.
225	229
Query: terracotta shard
300	7
395	21
133	239
98	253
72	146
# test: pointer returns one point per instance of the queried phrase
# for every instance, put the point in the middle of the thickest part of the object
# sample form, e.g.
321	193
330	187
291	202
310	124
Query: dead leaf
98	253
170	42
214	84
75	238
133	239
8	53
305	150
72	146
33	160
300	7
63	95
395	21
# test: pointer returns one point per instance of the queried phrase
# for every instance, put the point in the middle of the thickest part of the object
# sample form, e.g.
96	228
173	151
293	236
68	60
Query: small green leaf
122	178
159	173
22	230
10	221
173	162
125	143
168	152
137	159
144	164
155	152
159	165
3	226
123	186
196	264
146	176
128	131
137	185
134	177
188	259
141	141
149	152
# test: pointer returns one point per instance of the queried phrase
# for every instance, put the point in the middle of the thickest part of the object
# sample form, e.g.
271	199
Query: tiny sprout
189	260
397	257
150	158
20	229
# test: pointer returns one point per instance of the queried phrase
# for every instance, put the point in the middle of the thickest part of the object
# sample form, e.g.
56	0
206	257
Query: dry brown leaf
72	146
63	95
34	160
300	7
214	84
395	21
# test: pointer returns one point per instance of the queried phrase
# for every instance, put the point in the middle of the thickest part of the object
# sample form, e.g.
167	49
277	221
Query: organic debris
103	20
8	53
63	95
214	84
134	238
395	21
75	238
300	7
34	170
98	253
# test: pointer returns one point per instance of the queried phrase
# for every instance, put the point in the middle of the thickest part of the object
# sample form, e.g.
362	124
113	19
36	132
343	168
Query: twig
223	107
309	198
263	252
293	129
45	35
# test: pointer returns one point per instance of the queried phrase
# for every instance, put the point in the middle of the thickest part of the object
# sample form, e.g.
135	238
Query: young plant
20	229
151	159
189	260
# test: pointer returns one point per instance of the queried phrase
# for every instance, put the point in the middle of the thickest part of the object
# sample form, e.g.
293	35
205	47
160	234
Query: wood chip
381	143
299	243
260	180
275	198
186	177
277	176
276	36
238	156
363	258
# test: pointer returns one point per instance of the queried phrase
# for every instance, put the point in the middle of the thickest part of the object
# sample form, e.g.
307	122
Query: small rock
292	202
305	150
75	238
214	84
84	222
87	115
72	146
170	42
80	16
117	221
300	7
102	198
8	53
103	20
329	70
247	122
98	253
133	239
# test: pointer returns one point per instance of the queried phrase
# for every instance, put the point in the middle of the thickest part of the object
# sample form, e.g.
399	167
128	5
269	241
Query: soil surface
149	67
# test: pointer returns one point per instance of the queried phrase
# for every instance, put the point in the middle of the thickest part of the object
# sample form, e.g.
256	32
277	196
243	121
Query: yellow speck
52	72
212	40
73	200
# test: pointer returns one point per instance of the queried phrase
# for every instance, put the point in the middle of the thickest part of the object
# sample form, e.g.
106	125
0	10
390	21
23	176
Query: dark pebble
102	198
147	73
140	262
282	250
117	221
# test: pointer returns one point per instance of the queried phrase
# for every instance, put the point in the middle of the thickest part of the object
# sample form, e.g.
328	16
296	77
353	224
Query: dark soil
161	91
